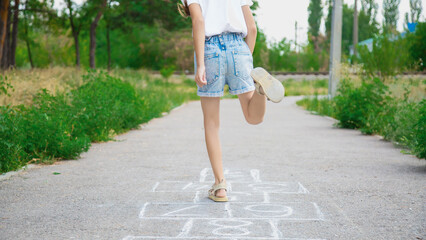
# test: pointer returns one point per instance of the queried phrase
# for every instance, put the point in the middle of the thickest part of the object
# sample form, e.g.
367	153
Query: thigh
211	107
244	101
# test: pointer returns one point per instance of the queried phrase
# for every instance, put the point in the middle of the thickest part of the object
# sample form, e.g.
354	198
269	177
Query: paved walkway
295	176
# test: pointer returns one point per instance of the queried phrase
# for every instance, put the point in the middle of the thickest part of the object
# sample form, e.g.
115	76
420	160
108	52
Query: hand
200	76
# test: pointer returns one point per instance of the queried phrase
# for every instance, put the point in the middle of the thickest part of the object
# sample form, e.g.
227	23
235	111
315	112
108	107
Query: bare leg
210	106
254	106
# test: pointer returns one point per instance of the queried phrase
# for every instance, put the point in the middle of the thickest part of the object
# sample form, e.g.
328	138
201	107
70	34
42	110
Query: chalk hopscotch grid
238	177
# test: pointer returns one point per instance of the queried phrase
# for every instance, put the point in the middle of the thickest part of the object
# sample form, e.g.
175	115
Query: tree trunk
108	47
93	27
6	47
27	41
30	58
14	35
355	30
77	48
4	11
75	33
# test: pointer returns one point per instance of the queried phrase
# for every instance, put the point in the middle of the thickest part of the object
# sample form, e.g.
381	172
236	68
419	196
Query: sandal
215	187
267	85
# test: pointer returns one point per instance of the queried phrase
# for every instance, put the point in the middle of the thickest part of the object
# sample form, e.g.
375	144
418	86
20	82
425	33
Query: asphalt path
295	176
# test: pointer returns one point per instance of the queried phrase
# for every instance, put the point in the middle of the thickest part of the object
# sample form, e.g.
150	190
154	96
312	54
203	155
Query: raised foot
267	85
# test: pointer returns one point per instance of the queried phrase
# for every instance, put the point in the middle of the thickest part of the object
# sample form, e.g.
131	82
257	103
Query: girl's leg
254	106
210	106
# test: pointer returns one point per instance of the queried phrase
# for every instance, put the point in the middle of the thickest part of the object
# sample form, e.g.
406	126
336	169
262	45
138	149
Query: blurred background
150	34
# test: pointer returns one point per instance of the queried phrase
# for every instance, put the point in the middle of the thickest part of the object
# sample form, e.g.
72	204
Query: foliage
391	13
371	108
387	57
305	87
62	126
353	105
417	47
315	16
166	72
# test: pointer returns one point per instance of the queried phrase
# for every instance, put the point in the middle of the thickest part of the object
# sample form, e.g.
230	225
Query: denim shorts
228	60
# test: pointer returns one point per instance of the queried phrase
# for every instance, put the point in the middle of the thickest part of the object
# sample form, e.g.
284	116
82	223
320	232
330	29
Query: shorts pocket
243	63
212	62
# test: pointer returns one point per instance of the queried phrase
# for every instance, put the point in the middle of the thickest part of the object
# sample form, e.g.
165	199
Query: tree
355	29
12	60
368	25
415	12
391	14
315	16
93	27
328	19
370	8
77	17
4	15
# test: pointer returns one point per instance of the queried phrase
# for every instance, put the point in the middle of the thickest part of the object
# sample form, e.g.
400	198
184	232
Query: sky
277	17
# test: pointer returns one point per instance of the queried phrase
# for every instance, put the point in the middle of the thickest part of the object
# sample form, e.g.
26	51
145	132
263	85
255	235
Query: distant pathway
295	176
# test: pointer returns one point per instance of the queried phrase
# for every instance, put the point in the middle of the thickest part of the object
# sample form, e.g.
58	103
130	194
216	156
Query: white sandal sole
273	89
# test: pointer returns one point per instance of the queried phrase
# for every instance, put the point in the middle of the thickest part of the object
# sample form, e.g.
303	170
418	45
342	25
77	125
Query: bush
355	105
372	109
105	106
420	131
417	45
388	56
62	126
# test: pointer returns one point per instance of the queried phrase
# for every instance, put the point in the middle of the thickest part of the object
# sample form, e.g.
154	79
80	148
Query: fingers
200	79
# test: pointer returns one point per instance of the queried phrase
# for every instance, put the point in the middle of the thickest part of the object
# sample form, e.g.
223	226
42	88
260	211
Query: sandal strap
221	185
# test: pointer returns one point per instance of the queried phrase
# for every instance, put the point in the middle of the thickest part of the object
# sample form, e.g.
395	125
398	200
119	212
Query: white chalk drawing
254	207
231	227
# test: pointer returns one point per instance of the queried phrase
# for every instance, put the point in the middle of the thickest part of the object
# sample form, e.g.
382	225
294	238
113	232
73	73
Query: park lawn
305	87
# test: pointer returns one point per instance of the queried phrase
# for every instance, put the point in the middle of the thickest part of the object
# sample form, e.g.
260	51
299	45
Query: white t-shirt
223	15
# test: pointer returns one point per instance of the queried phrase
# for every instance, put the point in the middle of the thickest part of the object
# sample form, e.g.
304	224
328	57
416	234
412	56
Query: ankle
217	180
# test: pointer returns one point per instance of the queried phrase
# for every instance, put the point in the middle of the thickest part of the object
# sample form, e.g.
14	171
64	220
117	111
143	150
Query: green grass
305	87
63	125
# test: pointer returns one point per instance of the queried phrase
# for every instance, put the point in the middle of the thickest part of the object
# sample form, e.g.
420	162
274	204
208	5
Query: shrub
420	131
355	105
105	106
387	57
417	45
62	126
372	109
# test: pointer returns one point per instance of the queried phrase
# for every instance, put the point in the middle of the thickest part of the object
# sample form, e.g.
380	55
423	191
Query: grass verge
63	125
372	108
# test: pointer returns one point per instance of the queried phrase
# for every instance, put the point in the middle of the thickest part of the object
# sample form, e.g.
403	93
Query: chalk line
186	229
266	198
142	212
182	209
302	189
276	233
187	186
203	174
255	175
196	198
229	186
155	186
319	213
228	210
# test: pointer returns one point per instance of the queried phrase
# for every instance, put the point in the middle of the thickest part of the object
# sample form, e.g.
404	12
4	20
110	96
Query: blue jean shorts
228	60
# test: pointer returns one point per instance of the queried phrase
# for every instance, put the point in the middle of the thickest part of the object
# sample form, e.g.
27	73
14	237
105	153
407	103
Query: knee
254	121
